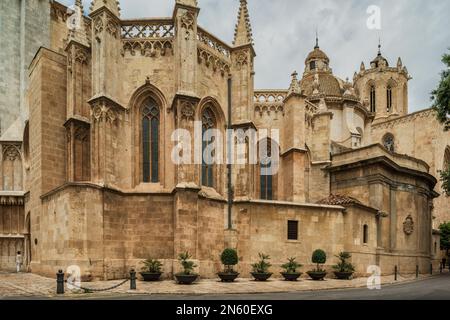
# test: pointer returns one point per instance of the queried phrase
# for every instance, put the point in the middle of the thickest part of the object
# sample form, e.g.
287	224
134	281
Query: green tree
445	236
441	103
445	178
441	95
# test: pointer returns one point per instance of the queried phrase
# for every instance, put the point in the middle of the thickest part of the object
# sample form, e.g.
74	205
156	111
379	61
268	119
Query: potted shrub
261	268
344	269
187	276
151	271
318	257
229	258
290	268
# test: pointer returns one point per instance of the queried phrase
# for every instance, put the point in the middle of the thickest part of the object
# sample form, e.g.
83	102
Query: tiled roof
328	85
339	200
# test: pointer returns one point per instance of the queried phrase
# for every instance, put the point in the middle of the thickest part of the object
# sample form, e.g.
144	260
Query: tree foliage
445	236
441	95
343	265
445	178
229	259
188	265
319	257
263	265
151	266
291	266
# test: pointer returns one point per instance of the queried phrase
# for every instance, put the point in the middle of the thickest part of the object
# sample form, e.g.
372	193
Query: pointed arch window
208	122
389	99
446	159
150	116
373	107
265	176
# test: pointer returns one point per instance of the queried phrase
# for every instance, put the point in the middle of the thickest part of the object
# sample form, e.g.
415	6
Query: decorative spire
399	63
77	27
111	5
379	46
317	40
192	3
294	88
243	31
362	67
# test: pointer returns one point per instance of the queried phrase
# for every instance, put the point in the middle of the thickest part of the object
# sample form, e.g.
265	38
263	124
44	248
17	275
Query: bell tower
383	88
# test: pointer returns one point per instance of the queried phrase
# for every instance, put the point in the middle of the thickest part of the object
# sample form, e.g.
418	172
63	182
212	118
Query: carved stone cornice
12	200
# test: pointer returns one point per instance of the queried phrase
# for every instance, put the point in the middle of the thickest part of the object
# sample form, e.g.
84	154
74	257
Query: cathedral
88	108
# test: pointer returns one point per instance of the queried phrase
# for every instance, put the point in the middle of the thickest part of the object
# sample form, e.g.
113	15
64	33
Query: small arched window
389	142
373	107
365	234
312	65
150	141
389	99
208	122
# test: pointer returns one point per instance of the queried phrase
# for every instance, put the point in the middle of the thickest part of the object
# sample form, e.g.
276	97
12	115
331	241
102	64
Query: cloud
284	30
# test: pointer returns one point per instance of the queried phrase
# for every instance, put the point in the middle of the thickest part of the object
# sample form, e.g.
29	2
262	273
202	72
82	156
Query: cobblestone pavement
25	285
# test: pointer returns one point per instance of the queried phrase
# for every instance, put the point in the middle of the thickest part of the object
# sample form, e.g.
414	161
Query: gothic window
312	65
150	141
389	142
389	99
365	234
266	177
446	159
208	122
373	107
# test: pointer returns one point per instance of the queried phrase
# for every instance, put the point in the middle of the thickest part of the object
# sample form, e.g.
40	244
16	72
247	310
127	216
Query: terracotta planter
186	278
291	276
317	275
228	277
148	276
261	276
343	275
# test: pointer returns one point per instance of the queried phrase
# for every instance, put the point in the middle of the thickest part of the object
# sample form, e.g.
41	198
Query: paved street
30	286
435	288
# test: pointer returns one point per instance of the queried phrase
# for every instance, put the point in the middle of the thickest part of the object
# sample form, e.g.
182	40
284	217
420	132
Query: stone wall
420	135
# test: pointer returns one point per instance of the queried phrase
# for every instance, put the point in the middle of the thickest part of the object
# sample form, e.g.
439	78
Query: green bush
343	265
188	266
229	259
151	266
262	266
319	257
291	266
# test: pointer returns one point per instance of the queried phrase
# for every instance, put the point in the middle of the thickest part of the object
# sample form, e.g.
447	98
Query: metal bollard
431	268
417	271
60	282
395	273
132	279
440	267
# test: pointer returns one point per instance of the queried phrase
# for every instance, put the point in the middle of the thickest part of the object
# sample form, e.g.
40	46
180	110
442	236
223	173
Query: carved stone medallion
408	225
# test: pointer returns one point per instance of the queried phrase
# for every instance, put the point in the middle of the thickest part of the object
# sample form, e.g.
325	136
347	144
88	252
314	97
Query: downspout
229	155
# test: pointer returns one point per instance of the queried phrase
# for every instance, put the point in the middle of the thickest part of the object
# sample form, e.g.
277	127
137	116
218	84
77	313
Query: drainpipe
229	154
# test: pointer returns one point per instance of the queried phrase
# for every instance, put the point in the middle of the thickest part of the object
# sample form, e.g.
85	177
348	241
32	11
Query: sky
418	31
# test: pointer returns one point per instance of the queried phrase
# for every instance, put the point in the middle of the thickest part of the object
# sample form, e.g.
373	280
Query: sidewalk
30	285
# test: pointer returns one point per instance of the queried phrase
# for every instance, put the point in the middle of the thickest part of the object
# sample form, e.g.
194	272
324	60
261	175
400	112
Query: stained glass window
150	142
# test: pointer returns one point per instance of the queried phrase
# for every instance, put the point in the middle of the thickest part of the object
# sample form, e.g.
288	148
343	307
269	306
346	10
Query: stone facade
102	192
